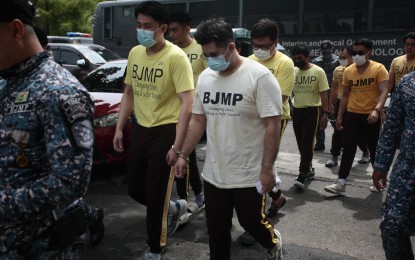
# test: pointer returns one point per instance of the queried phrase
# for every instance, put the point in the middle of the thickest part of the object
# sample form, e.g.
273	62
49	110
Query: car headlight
106	121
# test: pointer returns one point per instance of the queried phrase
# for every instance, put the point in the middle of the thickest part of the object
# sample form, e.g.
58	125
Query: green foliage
60	16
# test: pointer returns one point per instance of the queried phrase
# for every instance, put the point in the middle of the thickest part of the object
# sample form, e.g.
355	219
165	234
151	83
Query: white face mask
262	54
359	59
344	62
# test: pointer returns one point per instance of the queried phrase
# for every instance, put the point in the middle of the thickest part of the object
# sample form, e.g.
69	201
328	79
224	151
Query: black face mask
300	64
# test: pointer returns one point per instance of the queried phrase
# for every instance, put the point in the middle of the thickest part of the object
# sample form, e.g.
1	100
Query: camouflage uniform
46	139
398	213
328	65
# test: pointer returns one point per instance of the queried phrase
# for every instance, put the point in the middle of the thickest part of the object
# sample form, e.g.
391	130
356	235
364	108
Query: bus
300	21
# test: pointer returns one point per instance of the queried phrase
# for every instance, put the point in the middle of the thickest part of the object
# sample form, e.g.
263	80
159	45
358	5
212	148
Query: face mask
359	59
218	63
300	64
146	37
262	54
343	62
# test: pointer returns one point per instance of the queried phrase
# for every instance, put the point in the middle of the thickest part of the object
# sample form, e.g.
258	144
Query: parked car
105	84
80	59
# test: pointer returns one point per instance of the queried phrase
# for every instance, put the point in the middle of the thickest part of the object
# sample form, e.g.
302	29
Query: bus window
107	23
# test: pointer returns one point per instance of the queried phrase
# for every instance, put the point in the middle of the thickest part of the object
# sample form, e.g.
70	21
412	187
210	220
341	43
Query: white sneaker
373	189
336	188
173	221
276	252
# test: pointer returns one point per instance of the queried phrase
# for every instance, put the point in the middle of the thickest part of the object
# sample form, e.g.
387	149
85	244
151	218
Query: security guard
398	213
46	139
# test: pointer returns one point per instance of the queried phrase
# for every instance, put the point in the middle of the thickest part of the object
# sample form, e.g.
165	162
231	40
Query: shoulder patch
76	108
83	134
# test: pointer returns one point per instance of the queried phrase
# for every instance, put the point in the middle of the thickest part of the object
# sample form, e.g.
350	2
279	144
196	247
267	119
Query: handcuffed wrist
177	152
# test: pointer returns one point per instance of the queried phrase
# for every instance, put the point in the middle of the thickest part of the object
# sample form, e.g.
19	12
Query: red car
105	84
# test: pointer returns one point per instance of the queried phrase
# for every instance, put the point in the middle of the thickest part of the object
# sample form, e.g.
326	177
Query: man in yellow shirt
336	93
310	93
179	29
159	89
365	89
404	64
264	35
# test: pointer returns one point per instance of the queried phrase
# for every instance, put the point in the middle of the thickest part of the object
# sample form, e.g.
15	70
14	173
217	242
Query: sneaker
332	162
364	160
299	181
200	200
247	240
336	188
149	256
275	253
319	147
97	230
310	175
173	220
276	205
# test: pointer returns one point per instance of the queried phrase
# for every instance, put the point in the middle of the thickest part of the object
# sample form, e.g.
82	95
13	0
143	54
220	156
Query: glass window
227	9
284	12
107	78
107	23
126	11
105	53
93	56
393	15
69	57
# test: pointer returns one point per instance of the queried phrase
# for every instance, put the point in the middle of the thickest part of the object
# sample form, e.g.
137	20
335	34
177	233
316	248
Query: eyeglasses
354	53
263	47
214	55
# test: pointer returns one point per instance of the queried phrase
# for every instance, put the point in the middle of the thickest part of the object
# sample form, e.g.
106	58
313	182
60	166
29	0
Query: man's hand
377	177
323	122
117	142
180	167
373	117
339	124
267	178
171	157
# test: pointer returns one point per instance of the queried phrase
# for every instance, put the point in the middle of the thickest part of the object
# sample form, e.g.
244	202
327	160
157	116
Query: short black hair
181	17
368	44
154	9
214	30
348	48
299	49
409	35
265	27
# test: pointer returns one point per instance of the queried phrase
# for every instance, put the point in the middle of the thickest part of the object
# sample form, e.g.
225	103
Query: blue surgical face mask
146	37
218	63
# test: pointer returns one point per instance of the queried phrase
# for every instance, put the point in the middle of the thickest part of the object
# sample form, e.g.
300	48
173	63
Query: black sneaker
310	175
299	181
97	230
319	147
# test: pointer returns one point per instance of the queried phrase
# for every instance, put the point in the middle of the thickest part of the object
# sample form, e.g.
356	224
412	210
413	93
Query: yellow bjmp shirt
282	67
338	77
156	80
194	53
400	67
364	92
308	85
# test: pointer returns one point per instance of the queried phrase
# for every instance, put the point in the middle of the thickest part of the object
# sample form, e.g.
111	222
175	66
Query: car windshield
107	78
105	53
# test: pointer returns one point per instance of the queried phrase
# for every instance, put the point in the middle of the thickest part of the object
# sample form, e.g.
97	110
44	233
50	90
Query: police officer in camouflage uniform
46	139
328	62
398	213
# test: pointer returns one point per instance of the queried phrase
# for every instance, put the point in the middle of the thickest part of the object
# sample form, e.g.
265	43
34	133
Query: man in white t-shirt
238	102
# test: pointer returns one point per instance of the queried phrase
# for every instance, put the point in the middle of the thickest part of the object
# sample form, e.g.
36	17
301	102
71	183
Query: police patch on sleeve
83	134
76	108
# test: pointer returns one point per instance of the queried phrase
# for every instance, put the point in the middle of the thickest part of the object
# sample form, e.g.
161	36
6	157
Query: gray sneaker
310	175
275	253
336	188
173	220
299	181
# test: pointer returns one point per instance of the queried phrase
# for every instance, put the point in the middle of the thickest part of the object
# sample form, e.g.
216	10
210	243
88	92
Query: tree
57	17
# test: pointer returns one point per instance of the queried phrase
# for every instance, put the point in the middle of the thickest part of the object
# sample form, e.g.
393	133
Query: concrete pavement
314	224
